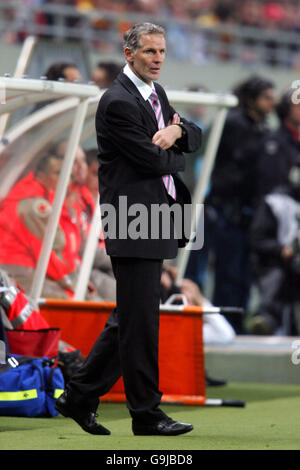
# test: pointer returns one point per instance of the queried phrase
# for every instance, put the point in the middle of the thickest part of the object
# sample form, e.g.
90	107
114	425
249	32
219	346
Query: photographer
275	238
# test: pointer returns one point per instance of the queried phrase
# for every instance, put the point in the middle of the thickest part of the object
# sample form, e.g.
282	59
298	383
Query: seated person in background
102	260
92	181
79	200
66	71
216	329
24	214
105	73
81	204
102	274
275	238
281	147
63	70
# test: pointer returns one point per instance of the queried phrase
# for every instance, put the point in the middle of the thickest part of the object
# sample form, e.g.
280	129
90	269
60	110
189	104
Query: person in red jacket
81	203
24	214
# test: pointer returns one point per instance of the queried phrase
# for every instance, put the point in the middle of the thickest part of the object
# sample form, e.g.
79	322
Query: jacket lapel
130	86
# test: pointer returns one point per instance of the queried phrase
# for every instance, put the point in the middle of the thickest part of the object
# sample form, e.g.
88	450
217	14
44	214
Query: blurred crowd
283	14
257	42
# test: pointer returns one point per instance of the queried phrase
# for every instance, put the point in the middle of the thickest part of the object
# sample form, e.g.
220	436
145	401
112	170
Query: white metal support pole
22	64
201	187
25	56
88	255
60	194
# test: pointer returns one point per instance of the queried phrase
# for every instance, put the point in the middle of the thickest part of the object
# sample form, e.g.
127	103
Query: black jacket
279	151
131	166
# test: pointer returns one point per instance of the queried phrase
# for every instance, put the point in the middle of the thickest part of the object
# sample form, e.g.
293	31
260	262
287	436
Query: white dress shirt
143	87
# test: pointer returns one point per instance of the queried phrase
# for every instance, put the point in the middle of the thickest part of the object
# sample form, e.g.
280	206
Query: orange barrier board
181	353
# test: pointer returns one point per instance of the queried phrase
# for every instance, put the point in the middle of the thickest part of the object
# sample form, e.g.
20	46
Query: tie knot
153	97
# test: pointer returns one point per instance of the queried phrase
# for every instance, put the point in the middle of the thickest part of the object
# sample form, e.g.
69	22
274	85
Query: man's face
71	74
92	178
100	78
265	102
49	179
80	168
147	61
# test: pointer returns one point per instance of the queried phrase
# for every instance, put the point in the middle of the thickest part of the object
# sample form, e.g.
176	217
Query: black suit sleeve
123	130
192	139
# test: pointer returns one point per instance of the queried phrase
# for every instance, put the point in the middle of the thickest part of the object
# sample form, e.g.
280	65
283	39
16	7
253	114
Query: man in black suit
141	139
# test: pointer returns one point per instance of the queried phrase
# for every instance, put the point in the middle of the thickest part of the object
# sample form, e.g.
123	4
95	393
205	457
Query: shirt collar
144	89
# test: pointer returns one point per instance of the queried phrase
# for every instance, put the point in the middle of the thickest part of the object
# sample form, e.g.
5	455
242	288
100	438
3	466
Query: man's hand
166	138
287	252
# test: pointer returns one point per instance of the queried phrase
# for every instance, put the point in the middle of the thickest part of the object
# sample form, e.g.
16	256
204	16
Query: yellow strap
58	392
17	396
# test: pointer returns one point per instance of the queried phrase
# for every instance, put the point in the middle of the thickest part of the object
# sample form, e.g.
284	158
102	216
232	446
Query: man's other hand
166	138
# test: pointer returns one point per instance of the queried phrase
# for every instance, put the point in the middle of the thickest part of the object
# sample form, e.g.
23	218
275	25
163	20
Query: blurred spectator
66	71
79	200
276	244
81	204
68	19
273	18
105	73
250	13
281	148
225	14
92	172
220	36
233	195
24	214
271	260
102	274
216	329
28	207
63	70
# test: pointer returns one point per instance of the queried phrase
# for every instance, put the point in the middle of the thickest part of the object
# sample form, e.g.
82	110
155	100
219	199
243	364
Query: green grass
269	421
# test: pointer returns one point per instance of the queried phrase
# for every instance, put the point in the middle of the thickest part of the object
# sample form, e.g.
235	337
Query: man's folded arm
127	134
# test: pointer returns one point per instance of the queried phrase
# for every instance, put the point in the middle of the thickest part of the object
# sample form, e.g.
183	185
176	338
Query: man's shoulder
116	94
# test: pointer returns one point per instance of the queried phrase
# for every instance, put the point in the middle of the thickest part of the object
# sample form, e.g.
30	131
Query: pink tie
167	179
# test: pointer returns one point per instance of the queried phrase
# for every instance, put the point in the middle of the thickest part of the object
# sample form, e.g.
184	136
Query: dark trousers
128	344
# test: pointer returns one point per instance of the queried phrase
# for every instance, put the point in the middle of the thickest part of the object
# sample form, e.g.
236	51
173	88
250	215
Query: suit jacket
132	167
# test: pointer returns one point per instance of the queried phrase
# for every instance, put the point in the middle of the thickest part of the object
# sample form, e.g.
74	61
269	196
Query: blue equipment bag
30	388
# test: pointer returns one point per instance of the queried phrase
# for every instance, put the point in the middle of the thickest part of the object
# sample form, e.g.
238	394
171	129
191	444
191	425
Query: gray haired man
141	142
